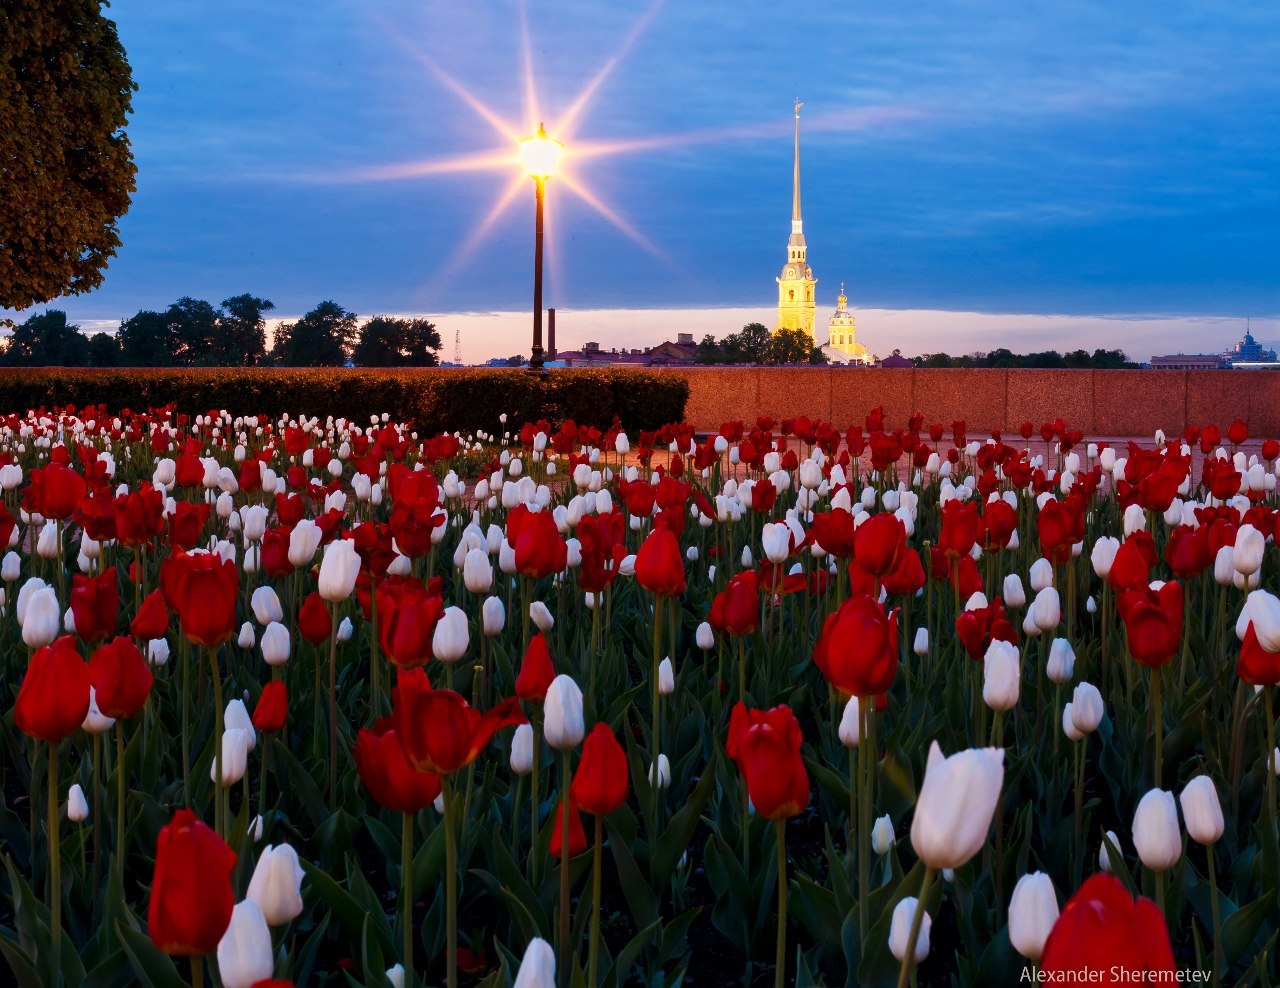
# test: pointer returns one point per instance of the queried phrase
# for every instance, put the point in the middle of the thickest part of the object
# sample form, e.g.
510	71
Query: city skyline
1064	173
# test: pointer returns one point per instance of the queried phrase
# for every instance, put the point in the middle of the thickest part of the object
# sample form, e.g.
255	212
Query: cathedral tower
795	286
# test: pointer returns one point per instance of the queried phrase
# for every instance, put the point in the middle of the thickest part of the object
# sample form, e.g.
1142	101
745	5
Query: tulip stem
120	797
780	964
333	704
1077	844
565	809
406	894
866	704
1267	765
217	741
1158	713
97	802
593	952
450	886
917	919
533	798
1217	921
55	863
375	671
197	971
657	696
185	693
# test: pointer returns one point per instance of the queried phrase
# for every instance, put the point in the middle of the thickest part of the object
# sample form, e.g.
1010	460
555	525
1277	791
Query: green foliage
243	330
793	346
755	344
437	400
47	339
1043	360
387	341
68	170
323	337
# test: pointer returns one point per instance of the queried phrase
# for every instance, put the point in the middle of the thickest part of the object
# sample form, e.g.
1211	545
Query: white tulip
77	805
245	953
1062	662
1156	836
1201	810
1086	708
452	637
1033	909
956	803
562	717
276	885
900	930
522	750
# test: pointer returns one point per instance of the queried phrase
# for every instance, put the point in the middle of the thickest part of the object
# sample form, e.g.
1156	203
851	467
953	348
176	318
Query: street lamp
540	156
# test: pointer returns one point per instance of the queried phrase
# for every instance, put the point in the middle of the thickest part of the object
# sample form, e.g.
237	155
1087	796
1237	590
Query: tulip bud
10	566
1062	662
1104	856
235	757
540	615
1201	811
538	966
956	803
1033	910
775	538
921	644
1103	555
1046	609
1156	836
1246	554
338	570
1224	569
1069	725
304	540
42	619
395	975
850	730
900	930
1086	708
1001	676
266	606
522	750
660	773
1041	575
746	557
47	545
77	805
158	652
452	637
666	677
276	885
477	571
493	616
247	636
882	835
1013	592
275	644
563	725
95	722
705	637
245	953
1135	519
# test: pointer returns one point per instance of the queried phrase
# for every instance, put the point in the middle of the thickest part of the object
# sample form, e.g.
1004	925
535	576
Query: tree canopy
755	344
66	167
386	341
1002	357
323	337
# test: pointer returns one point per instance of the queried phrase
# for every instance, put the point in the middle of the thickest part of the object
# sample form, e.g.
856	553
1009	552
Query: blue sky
1081	158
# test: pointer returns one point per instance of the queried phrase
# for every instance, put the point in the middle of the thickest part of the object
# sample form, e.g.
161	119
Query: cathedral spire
797	224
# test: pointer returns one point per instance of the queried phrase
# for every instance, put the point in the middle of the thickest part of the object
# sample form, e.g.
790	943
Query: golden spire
795	179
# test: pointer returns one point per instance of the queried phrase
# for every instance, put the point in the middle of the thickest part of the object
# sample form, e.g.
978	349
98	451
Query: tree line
193	333
757	344
1099	359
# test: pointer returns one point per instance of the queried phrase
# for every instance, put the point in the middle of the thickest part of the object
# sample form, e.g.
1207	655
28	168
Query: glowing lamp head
540	154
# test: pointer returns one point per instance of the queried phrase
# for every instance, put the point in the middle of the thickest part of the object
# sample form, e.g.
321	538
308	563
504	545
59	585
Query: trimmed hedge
434	399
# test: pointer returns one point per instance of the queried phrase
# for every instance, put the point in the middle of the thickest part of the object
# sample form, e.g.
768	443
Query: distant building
1249	350
679	353
896	359
842	345
1189	361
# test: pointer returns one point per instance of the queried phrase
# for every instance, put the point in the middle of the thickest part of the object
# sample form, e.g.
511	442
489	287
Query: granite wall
1100	403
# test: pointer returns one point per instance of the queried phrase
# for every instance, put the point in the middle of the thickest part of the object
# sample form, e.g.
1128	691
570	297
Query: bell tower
796	283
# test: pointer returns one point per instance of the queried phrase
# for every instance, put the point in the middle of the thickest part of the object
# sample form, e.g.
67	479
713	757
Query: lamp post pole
535	357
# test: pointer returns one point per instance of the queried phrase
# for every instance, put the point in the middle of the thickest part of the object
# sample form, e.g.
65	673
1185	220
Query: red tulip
536	670
1271	449
315	624
95	605
271	711
139	516
152	619
187	523
275	552
659	564
1256	665
857	651
763	496
1237	432
120	677
1000	521
191	893
54	697
765	745
1102	929
385	771
54	491
1131	567
961	527
979	627
1152	622
879	543
439	731
1187	551
907	578
577	836
407	617
1060	525
539	548
834	531
735	610
95	514
203	590
600	785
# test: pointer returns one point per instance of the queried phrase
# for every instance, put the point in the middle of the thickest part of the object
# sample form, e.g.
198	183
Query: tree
386	341
193	329
708	351
793	346
321	338
146	340
66	167
243	330
750	346
46	339
104	350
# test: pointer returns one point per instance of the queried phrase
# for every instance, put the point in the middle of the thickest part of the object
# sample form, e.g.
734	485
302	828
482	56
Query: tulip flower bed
318	703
